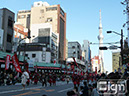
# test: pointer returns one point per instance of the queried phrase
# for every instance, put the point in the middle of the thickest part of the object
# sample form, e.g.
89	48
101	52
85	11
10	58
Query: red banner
77	64
7	62
16	63
95	70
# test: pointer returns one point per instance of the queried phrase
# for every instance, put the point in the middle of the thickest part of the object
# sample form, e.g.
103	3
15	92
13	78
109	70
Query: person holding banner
25	77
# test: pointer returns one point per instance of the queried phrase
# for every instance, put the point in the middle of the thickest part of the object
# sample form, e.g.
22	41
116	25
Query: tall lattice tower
100	38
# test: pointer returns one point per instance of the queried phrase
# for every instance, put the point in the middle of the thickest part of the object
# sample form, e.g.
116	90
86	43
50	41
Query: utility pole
121	41
24	56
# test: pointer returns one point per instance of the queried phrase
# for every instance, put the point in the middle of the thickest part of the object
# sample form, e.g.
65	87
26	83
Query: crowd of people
84	85
26	78
90	86
9	78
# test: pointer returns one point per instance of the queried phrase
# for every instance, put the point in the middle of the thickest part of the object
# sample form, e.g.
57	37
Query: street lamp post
121	42
24	46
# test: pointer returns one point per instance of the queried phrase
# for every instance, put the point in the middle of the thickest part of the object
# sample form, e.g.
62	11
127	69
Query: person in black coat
85	90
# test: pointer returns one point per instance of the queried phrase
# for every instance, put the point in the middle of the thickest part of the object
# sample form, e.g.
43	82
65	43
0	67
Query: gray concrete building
6	24
74	50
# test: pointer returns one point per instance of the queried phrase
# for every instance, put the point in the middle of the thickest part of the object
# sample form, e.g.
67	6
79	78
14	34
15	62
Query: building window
26	55
51	8
73	47
21	16
28	15
10	22
33	55
61	12
9	38
49	19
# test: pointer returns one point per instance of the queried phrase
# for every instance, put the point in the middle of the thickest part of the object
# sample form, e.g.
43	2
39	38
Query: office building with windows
42	33
6	28
42	12
74	50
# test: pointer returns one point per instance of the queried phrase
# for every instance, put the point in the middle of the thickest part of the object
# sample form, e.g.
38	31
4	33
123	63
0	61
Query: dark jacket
85	91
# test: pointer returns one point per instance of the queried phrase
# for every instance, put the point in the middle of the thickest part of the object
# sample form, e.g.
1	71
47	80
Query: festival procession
64	48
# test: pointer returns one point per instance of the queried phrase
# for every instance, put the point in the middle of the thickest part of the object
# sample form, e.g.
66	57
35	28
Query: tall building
100	38
42	12
74	50
87	51
1	31
85	48
6	28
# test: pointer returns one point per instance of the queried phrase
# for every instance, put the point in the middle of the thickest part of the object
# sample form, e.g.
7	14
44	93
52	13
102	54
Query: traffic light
103	48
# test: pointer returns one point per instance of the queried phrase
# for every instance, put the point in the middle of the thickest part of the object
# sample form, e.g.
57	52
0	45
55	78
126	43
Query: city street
53	42
36	90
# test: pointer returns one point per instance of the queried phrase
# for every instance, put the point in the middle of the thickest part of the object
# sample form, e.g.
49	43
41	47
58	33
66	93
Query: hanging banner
16	63
7	62
77	64
95	70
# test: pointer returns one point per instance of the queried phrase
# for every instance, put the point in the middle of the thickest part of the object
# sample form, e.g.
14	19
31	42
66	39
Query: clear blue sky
83	20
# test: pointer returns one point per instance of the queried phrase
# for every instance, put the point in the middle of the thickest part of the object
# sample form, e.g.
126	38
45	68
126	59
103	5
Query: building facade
95	61
42	12
1	31
42	33
74	50
37	52
87	56
6	24
66	48
23	17
86	50
116	61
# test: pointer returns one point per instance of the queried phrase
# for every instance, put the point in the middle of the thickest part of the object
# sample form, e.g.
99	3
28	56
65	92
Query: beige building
115	61
24	18
42	12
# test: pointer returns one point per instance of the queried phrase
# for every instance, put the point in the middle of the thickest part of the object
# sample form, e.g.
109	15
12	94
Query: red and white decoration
16	63
7	63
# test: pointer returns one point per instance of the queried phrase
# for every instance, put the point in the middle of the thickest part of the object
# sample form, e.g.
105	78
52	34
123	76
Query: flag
16	63
7	62
54	62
